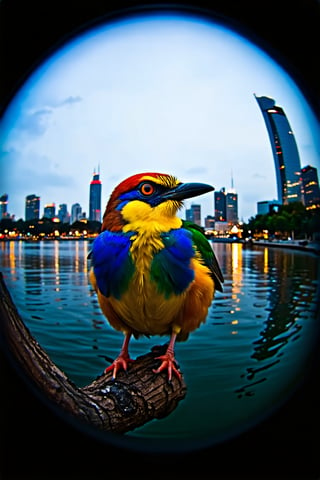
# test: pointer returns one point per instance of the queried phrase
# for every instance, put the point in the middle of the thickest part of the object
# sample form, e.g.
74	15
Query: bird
153	272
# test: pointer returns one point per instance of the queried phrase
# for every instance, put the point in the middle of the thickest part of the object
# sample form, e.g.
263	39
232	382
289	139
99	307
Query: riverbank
305	245
45	239
312	247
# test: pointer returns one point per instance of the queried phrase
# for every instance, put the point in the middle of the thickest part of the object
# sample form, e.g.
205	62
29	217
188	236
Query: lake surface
243	362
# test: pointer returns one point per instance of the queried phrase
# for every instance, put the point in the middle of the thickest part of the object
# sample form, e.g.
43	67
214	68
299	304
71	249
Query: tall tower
95	198
76	211
220	206
232	207
32	209
4	206
63	213
284	149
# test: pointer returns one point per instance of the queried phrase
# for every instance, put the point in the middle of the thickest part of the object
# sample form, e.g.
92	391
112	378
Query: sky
162	92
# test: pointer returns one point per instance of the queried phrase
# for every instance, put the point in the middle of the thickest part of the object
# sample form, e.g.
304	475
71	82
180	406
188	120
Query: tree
292	219
6	224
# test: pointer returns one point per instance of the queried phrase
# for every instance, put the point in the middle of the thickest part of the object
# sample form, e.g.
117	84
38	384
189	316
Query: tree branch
120	405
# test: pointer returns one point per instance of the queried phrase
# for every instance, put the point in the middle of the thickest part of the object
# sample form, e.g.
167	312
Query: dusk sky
168	93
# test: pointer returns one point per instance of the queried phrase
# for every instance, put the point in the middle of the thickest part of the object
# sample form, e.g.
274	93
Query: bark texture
119	405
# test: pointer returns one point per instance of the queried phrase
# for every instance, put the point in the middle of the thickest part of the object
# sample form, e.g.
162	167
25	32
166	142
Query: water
245	360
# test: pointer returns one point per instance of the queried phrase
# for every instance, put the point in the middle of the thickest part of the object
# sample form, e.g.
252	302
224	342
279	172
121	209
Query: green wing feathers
204	249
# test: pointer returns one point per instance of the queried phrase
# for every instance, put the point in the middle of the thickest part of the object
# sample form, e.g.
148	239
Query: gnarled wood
119	405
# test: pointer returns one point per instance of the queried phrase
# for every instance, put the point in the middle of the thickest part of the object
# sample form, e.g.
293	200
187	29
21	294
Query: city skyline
167	93
80	212
224	203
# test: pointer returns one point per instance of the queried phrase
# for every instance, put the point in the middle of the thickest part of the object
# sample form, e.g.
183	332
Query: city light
301	185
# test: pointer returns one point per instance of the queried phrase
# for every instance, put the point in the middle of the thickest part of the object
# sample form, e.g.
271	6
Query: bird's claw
120	363
169	364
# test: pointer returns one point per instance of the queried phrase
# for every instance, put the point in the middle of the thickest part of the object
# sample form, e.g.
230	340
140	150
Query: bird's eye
147	189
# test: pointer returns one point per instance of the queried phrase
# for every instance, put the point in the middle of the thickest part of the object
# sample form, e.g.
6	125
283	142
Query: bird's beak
187	190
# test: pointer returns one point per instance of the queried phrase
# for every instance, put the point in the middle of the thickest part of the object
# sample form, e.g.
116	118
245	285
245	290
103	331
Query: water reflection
280	290
291	299
49	270
265	288
42	266
254	341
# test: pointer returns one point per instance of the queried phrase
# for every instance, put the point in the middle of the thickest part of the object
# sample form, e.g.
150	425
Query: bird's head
148	196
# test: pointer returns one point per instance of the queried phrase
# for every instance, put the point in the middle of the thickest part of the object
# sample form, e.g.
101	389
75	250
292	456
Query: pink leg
121	362
168	360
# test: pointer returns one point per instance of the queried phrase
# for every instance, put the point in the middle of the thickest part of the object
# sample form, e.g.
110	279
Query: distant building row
225	211
32	210
32	206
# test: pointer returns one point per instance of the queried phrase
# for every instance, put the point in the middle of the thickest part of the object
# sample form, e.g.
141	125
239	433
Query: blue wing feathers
112	263
170	267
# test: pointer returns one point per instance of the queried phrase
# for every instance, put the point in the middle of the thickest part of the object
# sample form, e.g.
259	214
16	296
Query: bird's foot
120	363
168	363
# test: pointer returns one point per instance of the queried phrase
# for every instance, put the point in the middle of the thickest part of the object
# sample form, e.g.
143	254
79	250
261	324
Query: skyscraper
63	215
193	214
49	210
76	211
226	206
284	149
3	206
209	222
267	206
95	198
310	187
232	207
220	205
32	207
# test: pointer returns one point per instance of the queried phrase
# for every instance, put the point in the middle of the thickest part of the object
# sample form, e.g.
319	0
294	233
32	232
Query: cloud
40	172
35	123
70	100
27	173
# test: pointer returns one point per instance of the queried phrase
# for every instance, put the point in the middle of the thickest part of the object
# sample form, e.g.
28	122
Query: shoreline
35	240
303	245
311	247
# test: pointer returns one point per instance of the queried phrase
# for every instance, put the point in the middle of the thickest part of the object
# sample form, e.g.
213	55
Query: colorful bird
154	273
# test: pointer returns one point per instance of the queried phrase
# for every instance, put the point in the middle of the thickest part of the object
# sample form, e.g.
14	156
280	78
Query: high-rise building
95	198
63	214
193	214
284	149
232	208
226	206
220	205
310	187
49	210
4	206
32	207
268	206
76	211
209	222
189	216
